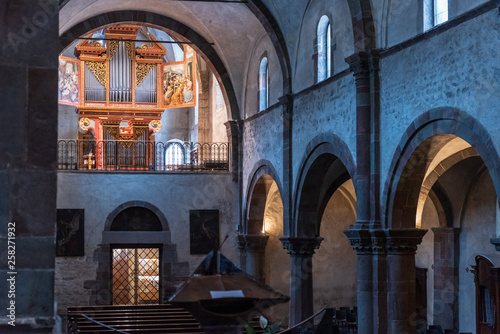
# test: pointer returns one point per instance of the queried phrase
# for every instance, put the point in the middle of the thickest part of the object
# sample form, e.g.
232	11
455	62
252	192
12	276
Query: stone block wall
28	68
434	73
78	279
329	108
262	139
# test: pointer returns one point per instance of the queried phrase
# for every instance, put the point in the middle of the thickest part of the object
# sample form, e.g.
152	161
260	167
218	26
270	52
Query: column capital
365	240
233	127
301	246
364	62
403	241
447	230
360	239
252	242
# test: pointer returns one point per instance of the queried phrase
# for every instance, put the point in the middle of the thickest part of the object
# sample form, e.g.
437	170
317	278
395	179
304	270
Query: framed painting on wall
68	91
179	81
203	231
70	232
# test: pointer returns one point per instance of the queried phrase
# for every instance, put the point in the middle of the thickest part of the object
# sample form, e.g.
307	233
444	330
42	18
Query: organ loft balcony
134	98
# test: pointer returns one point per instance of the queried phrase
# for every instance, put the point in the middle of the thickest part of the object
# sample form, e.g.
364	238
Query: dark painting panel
136	219
203	230
70	232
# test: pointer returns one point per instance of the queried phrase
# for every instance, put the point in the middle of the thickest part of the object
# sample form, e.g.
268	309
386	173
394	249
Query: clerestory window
324	48
435	13
263	84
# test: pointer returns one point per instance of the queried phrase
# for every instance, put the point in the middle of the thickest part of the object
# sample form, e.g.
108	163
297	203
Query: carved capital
403	241
378	241
359	64
360	239
253	242
364	63
301	246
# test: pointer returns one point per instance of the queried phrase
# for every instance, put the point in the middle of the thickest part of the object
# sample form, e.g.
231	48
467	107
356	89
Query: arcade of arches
344	153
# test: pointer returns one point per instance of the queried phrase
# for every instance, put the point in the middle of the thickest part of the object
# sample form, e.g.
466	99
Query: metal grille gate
136	276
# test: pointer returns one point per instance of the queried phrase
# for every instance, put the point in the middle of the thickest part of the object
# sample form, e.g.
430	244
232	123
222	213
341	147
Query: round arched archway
136	235
324	205
443	180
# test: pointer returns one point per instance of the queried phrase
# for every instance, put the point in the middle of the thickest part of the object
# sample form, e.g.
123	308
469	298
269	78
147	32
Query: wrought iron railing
131	155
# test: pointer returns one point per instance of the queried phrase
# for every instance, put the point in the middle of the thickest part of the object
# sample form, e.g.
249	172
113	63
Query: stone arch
101	287
262	177
432	188
179	30
363	25
326	165
259	9
112	216
409	163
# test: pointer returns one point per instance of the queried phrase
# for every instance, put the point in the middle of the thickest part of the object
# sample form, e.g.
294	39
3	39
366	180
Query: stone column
234	138
379	281
242	250
255	246
371	280
365	68
287	195
401	299
446	262
371	266
301	251
361	242
28	162
204	112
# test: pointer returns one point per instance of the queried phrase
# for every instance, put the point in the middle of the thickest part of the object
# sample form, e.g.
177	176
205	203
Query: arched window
324	48
174	154
435	12
263	84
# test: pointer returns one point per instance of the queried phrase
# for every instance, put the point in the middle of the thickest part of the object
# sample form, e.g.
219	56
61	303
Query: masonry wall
28	118
435	73
174	194
67	122
397	21
262	139
328	108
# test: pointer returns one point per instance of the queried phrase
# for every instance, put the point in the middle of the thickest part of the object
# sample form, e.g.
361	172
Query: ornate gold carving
113	46
99	70
114	132
142	70
155	125
130	50
84	123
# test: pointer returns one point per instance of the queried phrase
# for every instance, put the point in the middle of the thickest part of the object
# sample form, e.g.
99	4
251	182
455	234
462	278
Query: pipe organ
121	84
120	75
121	78
94	90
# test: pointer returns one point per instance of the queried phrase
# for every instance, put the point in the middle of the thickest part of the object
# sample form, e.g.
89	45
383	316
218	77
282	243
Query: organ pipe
94	90
121	67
